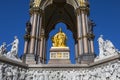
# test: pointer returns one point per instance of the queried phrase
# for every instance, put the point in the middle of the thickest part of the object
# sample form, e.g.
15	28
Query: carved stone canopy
60	11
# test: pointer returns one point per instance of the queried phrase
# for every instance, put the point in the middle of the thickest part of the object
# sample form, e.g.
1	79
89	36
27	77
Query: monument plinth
59	55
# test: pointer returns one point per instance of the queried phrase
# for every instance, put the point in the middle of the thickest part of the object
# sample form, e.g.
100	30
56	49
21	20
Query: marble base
59	55
59	61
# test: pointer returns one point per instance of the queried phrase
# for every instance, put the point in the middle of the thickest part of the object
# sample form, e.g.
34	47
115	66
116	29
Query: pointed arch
73	3
60	11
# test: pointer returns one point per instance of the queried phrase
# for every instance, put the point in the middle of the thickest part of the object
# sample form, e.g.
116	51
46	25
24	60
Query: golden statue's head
60	30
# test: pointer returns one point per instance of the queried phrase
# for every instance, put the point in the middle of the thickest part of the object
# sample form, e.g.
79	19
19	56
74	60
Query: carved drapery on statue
59	39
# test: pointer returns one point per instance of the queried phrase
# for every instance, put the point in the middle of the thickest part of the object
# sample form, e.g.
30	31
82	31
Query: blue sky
15	13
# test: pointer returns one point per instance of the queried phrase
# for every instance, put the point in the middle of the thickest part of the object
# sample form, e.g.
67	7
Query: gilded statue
59	39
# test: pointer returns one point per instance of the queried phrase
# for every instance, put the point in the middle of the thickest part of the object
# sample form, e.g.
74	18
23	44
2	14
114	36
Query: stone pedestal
86	58
59	55
29	59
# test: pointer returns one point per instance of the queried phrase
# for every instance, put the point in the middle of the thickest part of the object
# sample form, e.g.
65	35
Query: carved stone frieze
11	72
109	71
104	71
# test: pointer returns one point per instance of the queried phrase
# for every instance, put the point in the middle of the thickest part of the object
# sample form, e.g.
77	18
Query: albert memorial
35	65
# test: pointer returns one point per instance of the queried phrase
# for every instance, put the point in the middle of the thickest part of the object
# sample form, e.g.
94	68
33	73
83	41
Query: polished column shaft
84	29
32	41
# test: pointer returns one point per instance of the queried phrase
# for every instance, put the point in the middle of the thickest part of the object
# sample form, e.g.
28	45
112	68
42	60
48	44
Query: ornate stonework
11	72
44	15
106	49
107	71
107	68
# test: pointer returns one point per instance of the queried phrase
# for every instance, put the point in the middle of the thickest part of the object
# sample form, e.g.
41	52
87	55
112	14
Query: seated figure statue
59	39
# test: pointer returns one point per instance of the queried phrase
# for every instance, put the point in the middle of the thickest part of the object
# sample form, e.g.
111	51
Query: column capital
81	9
26	37
91	36
36	10
83	3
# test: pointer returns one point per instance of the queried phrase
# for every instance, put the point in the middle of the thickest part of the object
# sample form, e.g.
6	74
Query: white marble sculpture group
14	49
106	49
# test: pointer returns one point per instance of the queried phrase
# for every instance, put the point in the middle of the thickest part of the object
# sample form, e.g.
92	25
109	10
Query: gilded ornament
82	2
36	3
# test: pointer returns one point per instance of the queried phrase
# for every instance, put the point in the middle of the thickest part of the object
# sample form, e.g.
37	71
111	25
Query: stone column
27	40
41	50
26	47
32	41
44	50
39	41
79	32
76	52
36	35
86	56
84	29
30	58
91	36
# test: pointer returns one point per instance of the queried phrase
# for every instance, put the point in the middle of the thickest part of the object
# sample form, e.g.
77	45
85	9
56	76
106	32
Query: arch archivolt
73	3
